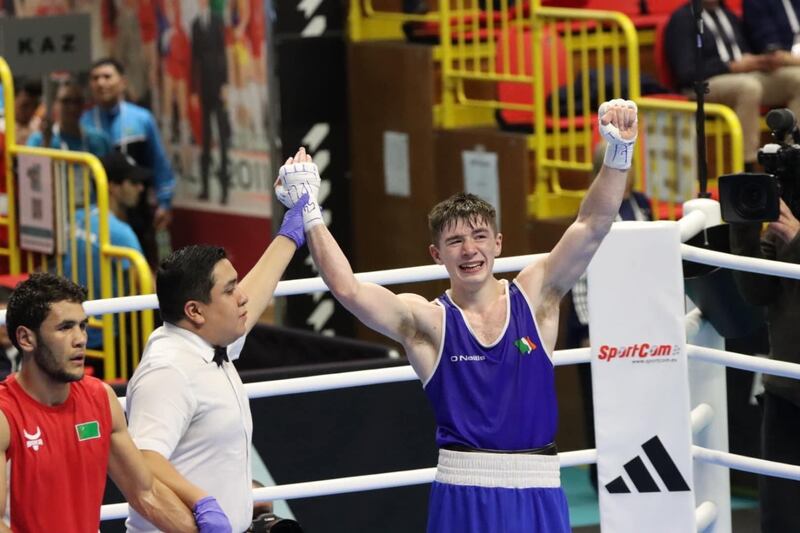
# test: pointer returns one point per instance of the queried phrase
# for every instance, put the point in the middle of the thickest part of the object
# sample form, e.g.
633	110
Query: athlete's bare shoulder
423	348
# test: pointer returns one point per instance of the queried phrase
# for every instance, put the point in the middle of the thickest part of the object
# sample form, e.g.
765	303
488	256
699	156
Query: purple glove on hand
292	226
209	517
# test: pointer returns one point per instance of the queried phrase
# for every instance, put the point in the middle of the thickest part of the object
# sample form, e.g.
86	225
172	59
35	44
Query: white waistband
506	470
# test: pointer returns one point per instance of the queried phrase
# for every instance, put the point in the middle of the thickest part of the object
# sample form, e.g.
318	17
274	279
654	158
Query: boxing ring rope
702	415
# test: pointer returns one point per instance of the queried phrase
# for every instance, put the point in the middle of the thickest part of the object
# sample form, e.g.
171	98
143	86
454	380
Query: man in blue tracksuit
133	131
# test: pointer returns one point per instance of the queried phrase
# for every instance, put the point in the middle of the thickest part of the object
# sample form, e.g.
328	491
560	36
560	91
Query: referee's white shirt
196	414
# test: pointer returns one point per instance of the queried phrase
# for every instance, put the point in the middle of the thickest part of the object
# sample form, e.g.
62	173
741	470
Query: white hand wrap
295	180
312	215
619	151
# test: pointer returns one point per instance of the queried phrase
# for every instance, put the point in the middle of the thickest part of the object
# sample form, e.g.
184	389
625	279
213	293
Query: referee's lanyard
123	146
791	15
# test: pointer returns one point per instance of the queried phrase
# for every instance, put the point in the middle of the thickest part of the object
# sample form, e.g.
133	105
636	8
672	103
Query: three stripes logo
640	476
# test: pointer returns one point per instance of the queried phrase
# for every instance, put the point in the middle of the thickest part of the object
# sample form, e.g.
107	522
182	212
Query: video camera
755	197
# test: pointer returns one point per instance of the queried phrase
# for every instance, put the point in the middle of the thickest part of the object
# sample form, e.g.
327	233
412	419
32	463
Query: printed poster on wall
36	221
481	177
205	81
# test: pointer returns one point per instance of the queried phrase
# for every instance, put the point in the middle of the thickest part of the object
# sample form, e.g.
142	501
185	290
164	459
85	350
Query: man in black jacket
773	25
209	79
736	77
780	431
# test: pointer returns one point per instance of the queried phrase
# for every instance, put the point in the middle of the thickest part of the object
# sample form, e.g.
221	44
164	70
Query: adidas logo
640	476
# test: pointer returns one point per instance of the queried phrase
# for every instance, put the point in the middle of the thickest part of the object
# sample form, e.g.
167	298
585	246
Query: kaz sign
40	45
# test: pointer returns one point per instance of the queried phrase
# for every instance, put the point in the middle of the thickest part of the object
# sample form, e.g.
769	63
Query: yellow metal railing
366	22
515	60
667	150
115	271
10	249
532	57
80	196
131	275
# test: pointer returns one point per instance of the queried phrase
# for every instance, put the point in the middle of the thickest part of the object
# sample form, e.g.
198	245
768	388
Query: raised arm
556	275
377	307
259	284
4	442
151	498
408	319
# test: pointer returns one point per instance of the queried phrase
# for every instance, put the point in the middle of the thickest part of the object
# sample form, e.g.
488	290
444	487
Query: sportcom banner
640	379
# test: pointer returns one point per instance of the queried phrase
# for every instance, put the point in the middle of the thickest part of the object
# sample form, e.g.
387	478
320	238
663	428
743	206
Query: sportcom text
643	350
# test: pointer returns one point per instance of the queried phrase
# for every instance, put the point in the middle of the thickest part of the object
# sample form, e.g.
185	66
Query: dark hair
5	294
187	274
31	300
103	61
32	88
70	83
461	206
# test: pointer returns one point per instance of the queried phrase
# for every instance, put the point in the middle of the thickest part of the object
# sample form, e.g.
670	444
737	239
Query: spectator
133	131
780	424
736	77
63	431
27	110
68	133
772	26
125	186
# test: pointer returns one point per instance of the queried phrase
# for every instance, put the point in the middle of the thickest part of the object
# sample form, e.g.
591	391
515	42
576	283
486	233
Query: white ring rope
308	285
701	417
346	485
746	464
738	262
691	224
705	515
744	362
361	378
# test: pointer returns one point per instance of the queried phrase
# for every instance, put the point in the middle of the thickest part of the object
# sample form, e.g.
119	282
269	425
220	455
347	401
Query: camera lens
752	199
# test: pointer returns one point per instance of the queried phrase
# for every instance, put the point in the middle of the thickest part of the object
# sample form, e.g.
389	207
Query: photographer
780	431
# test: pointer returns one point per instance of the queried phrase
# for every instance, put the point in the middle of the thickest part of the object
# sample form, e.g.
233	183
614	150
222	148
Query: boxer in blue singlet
483	349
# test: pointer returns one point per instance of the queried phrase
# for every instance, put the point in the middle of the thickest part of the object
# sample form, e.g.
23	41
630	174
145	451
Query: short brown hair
461	206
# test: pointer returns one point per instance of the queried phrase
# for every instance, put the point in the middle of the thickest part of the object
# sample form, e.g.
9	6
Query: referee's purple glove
292	226
209	517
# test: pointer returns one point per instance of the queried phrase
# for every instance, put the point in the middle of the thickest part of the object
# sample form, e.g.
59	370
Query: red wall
245	238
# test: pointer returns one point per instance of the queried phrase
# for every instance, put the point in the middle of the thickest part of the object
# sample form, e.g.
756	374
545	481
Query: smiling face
107	85
58	347
225	315
467	248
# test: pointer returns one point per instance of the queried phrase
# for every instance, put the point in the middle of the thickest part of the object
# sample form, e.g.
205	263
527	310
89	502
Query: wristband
619	151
